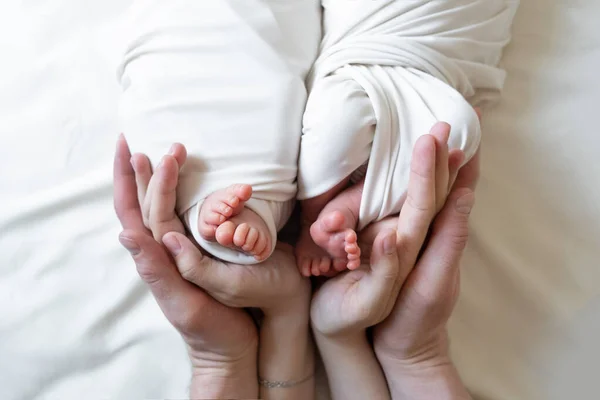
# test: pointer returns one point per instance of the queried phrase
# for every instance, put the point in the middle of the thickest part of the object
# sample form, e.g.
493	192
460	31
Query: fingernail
389	243
465	203
172	244
132	247
171	150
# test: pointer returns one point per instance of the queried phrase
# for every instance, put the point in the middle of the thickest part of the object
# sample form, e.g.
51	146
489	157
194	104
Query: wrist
286	353
429	373
428	353
352	368
233	381
346	349
215	378
432	381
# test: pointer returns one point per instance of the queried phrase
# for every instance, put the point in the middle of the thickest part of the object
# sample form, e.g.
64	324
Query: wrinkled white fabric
387	71
226	79
76	320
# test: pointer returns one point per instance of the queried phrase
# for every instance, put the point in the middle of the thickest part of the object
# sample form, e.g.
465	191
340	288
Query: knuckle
185	320
424	206
455	238
147	274
146	266
189	272
458	241
424	174
403	247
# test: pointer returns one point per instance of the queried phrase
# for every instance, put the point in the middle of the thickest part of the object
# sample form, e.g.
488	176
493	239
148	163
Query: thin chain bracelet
282	384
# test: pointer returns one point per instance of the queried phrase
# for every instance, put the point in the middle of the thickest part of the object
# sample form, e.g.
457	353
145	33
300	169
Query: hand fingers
441	132
214	276
384	257
143	169
189	260
125	200
455	160
179	152
468	176
437	270
162	216
143	175
387	276
175	296
420	206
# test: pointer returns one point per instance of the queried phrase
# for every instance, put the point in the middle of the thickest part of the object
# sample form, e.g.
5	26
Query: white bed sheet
75	321
531	278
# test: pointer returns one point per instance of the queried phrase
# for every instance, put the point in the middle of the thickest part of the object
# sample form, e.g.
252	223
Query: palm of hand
348	302
270	285
209	328
213	329
419	317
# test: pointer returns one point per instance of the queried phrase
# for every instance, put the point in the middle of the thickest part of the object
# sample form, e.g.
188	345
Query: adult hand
411	344
429	293
346	305
356	300
157	192
271	286
222	341
275	286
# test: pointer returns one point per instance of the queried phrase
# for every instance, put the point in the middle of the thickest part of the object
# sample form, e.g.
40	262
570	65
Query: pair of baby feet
326	247
225	219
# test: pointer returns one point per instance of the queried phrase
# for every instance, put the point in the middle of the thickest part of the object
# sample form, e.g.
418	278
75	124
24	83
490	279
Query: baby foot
246	232
312	259
225	219
333	232
220	206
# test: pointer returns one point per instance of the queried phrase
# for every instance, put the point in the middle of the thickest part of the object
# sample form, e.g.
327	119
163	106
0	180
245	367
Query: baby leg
224	218
338	129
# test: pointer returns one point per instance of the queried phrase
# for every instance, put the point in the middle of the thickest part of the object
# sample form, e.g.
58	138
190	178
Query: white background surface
76	321
533	265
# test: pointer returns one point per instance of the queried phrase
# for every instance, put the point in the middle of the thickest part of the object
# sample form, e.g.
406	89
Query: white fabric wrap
227	80
387	71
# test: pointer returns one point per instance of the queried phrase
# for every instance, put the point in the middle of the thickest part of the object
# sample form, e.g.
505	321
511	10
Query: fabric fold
387	71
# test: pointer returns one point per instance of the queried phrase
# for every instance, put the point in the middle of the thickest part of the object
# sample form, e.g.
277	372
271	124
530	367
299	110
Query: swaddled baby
225	79
387	71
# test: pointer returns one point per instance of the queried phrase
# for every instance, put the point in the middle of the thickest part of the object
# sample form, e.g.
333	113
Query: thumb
384	256
380	288
191	263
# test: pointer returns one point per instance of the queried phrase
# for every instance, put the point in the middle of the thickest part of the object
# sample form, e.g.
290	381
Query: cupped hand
415	331
157	192
214	333
355	300
274	286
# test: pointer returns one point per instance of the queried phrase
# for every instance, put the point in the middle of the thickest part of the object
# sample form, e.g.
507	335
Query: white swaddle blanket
226	79
387	71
